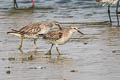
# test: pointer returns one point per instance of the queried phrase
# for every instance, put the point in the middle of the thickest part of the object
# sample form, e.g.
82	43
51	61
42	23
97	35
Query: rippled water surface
93	56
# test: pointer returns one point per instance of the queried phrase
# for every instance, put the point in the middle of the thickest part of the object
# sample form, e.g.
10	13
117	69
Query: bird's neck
71	32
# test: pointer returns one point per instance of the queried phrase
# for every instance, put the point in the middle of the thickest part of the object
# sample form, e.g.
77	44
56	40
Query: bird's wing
32	28
55	35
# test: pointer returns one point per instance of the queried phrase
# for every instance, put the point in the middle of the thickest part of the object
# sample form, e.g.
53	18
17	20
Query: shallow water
93	56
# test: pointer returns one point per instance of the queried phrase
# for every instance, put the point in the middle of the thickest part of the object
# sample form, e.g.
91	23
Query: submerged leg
49	52
57	50
35	43
109	14
20	46
15	4
117	13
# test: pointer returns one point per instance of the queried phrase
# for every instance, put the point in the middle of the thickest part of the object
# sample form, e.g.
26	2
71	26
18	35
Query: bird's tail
13	31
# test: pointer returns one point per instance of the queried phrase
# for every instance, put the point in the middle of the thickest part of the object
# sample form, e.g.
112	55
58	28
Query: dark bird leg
117	13
15	4
35	43
58	50
109	14
49	52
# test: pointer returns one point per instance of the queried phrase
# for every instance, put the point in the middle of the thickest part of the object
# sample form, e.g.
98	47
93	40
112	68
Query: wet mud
92	56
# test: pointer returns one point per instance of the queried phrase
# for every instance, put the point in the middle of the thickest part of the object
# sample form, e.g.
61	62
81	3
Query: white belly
31	36
25	36
15	34
63	40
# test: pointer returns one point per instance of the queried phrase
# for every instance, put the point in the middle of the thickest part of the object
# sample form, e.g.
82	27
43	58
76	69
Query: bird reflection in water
39	56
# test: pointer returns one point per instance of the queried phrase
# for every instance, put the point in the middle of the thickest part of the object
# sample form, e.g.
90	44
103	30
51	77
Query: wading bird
111	2
16	5
60	37
32	31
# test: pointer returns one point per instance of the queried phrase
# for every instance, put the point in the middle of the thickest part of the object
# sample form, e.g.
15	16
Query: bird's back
54	35
32	30
35	28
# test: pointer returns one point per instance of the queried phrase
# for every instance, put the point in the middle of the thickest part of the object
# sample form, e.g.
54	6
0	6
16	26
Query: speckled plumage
32	31
60	37
36	28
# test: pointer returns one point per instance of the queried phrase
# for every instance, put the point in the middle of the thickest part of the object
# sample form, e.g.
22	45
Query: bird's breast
64	39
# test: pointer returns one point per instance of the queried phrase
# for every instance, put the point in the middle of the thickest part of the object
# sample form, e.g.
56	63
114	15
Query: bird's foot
48	53
59	54
19	47
36	47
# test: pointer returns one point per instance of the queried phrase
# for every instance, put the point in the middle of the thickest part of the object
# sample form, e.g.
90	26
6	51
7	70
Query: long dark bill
80	32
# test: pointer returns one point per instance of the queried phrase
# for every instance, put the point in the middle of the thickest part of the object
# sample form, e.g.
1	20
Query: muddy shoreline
93	56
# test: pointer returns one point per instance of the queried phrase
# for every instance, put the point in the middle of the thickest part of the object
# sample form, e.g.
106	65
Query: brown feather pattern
33	28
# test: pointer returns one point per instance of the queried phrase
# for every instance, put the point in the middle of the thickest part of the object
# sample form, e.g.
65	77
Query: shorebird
60	37
32	31
111	2
16	5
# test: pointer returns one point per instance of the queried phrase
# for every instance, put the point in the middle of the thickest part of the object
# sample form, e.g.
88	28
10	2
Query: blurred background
93	56
61	10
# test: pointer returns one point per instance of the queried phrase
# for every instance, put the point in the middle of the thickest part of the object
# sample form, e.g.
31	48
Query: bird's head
74	28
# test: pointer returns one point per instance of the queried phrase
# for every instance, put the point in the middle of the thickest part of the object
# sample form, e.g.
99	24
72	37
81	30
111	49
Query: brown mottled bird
60	37
32	31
